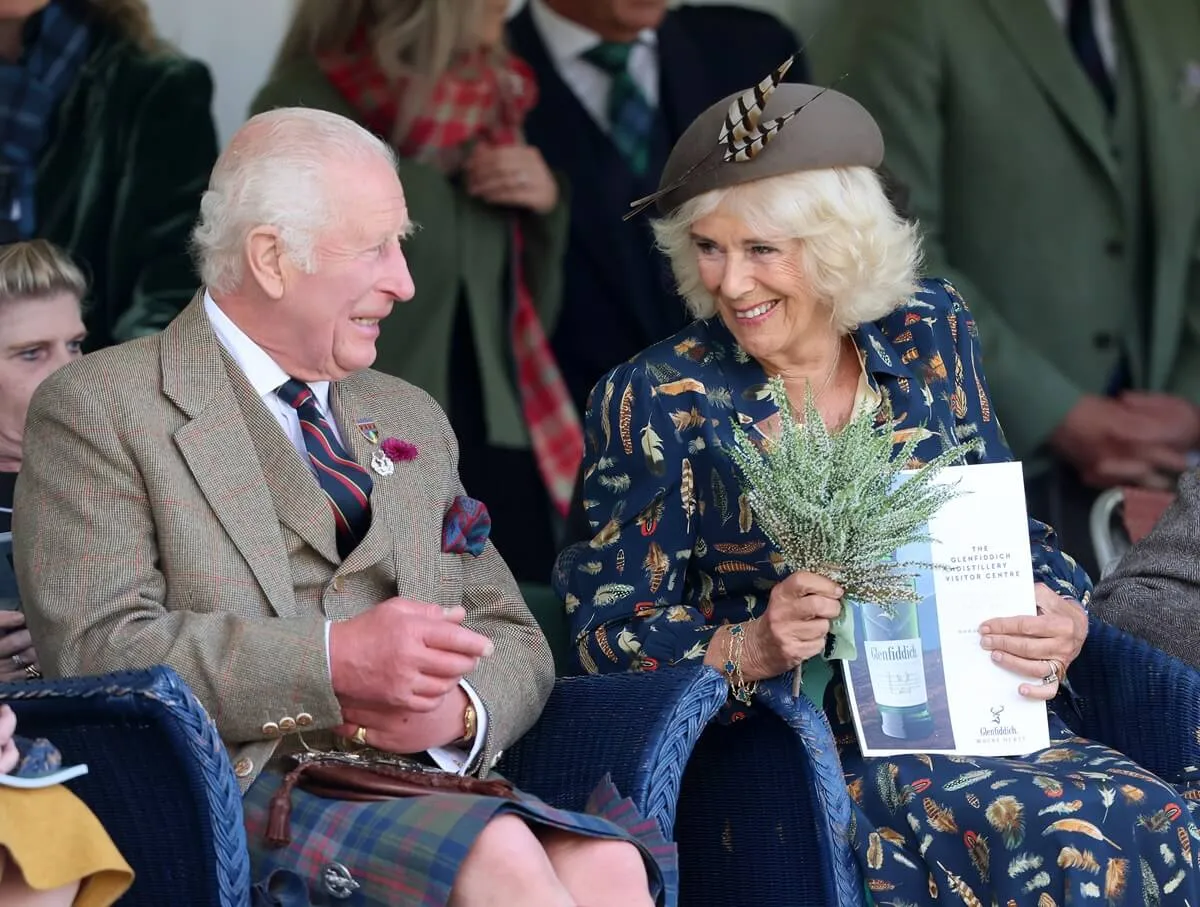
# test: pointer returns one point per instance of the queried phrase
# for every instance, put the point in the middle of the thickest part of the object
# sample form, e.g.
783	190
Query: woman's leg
15	891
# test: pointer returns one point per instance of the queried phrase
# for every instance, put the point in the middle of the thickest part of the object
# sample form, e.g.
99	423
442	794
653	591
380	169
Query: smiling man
243	499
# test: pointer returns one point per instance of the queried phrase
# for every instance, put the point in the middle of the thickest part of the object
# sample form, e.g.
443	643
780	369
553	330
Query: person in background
53	851
1049	148
796	266
434	80
619	82
41	330
106	141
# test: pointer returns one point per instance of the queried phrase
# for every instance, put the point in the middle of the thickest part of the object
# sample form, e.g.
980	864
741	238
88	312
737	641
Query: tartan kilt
408	850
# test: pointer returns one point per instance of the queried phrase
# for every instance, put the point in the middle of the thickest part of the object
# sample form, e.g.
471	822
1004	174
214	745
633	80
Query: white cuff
453	759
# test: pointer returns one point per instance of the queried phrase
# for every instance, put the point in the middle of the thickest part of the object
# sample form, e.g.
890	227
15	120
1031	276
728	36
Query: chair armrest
159	780
638	728
1136	699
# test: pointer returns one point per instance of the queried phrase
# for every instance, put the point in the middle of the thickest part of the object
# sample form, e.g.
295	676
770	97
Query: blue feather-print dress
676	553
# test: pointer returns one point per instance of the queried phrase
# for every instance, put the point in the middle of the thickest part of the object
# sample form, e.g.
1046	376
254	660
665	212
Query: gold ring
32	672
360	736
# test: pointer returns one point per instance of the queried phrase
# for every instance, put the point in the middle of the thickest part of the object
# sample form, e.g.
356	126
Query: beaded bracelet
738	687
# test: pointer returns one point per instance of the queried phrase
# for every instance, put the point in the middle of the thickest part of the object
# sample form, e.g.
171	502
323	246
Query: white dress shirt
567	42
1102	19
266	377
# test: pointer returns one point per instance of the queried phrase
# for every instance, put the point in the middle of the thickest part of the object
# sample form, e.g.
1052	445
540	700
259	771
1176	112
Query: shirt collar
567	40
263	372
880	356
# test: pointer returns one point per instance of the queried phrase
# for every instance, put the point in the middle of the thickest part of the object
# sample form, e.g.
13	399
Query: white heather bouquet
835	505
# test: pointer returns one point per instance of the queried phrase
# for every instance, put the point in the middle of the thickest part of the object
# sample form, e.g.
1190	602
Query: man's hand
407	732
402	655
1138	439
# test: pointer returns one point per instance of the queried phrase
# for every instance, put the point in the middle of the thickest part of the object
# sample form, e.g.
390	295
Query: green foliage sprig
834	505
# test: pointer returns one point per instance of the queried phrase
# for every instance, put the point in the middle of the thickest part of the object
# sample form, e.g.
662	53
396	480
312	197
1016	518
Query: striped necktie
345	483
630	115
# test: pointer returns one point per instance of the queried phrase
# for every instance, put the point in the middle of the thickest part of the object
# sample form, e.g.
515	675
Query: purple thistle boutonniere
392	451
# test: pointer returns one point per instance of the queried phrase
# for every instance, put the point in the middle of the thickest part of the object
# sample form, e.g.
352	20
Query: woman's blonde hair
131	18
416	39
859	256
37	268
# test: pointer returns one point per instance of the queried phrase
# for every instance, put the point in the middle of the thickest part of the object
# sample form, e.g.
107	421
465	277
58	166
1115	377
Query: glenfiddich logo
997	711
1000	730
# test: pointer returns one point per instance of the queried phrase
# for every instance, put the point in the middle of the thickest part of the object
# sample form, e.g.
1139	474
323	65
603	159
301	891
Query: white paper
980	549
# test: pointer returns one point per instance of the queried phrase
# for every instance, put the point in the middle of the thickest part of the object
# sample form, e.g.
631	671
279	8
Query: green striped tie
630	115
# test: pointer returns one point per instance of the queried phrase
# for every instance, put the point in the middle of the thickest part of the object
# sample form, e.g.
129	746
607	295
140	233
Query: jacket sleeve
623	589
87	559
171	151
975	416
896	70
1154	592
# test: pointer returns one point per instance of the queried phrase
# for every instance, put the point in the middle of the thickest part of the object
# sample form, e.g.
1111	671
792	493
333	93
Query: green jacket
458	254
1018	181
120	180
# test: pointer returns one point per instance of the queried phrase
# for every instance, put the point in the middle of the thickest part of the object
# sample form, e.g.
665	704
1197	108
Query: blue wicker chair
158	779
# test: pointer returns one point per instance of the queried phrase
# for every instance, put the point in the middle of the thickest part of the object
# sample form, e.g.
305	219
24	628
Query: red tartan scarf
478	99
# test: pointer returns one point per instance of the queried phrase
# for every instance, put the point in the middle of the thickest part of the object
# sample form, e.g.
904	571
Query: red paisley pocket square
466	527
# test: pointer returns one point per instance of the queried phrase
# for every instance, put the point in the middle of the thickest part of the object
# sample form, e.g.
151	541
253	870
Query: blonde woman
106	142
432	78
41	329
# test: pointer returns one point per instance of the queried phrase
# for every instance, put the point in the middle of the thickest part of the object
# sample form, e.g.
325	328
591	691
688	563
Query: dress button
304	719
243	767
270	729
287	725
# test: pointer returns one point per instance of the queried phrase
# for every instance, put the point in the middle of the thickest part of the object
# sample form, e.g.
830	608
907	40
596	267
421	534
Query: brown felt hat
831	130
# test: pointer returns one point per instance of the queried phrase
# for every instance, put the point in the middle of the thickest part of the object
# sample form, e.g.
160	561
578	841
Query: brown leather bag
342	776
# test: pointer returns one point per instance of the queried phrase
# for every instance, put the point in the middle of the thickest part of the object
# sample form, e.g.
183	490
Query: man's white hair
275	172
858	255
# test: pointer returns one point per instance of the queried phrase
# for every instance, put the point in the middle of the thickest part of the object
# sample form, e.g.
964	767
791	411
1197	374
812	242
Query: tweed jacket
1154	592
164	517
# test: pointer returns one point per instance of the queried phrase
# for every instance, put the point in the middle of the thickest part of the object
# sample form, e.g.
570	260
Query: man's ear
264	253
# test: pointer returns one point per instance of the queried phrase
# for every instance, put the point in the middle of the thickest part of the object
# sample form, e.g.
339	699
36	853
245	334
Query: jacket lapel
1162	38
217	447
1042	46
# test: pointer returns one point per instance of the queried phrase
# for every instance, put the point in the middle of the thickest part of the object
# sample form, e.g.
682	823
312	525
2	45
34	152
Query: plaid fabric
629	113
466	527
479	99
29	93
408	851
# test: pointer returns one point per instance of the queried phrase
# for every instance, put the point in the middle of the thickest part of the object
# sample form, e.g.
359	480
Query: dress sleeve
624	588
973	412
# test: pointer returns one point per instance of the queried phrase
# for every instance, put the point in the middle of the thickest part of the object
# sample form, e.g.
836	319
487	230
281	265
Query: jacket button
1102	340
1114	248
304	719
337	584
243	767
287	725
270	729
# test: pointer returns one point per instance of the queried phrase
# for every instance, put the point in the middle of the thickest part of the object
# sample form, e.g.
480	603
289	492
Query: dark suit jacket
618	294
1154	592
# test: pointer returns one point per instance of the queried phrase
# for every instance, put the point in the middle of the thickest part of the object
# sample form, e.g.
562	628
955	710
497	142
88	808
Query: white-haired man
241	498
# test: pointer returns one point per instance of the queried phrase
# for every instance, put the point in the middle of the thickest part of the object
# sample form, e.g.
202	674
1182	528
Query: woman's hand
1030	646
513	175
8	747
794	626
16	641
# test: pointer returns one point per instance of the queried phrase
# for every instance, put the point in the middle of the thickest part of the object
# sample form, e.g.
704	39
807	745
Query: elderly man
241	498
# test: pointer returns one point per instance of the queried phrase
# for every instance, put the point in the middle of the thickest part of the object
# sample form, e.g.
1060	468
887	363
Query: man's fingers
447	665
11	620
450	637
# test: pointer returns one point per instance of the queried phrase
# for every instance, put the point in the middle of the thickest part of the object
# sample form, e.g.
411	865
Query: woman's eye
705	247
762	250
